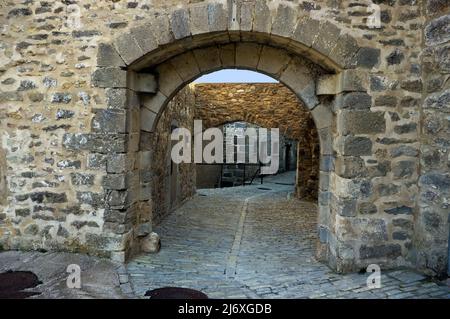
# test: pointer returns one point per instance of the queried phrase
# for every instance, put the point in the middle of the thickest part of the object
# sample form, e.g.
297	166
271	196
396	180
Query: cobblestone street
257	242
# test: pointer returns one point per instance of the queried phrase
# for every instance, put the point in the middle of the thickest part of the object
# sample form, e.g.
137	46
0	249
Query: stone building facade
83	84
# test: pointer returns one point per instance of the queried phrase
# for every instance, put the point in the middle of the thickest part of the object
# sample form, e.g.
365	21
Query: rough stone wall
269	105
431	224
179	112
308	159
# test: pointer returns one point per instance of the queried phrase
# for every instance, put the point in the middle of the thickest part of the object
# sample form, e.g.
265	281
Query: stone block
380	251
148	120
198	14
154	103
109	77
247	55
186	66
306	30
168	79
344	51
355	146
399	210
327	163
118	163
208	59
145	38
228	55
436	31
404	169
262	21
303	85
273	60
128	48
353	101
107	56
285	21
179	22
142	82
361	122
161	29
97	143
116	99
109	121
350	167
328	84
246	16
217	17
323	116
326	38
353	80
368	57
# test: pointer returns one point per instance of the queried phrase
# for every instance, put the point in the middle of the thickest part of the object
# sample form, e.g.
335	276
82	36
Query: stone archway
145	66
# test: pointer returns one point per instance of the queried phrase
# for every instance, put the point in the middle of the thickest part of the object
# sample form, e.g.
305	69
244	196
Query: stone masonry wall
269	105
432	222
180	112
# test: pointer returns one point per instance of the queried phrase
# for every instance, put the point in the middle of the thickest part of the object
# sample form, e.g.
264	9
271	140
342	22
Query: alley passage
256	242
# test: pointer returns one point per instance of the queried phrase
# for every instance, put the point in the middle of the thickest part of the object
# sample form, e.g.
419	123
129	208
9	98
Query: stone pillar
432	223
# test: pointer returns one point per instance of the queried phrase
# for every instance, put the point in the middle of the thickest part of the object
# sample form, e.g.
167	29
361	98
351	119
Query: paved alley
256	242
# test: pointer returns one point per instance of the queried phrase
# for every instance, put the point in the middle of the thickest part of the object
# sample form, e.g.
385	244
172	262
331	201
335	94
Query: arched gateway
363	209
147	65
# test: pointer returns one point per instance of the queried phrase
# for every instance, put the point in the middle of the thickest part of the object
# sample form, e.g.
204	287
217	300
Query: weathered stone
285	20
64	114
107	56
404	150
306	30
437	31
109	121
380	251
262	20
387	189
82	179
406	128
395	57
368	57
401	210
355	101
357	146
350	167
361	122
404	169
386	100
179	21
401	235
436	180
367	208
151	243
110	77
61	98
100	143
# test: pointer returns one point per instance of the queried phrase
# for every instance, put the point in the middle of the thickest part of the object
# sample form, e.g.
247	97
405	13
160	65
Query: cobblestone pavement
257	242
99	277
